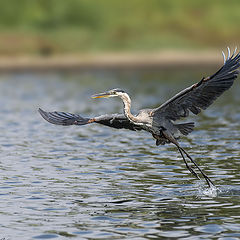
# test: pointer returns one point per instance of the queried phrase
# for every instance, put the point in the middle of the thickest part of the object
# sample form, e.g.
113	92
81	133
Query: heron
161	121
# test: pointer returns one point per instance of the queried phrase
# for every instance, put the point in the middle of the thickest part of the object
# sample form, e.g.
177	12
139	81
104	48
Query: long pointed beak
102	95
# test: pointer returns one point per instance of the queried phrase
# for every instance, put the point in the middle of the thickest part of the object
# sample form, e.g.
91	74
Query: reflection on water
93	182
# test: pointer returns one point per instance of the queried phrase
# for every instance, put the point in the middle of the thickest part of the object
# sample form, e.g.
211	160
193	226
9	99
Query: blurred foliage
75	26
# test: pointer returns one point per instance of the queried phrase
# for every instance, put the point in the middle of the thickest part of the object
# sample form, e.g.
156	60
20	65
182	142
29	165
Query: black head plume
116	90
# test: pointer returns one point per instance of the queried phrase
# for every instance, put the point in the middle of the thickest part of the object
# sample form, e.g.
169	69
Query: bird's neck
127	108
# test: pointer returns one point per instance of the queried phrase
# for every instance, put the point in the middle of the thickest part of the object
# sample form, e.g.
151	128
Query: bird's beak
102	95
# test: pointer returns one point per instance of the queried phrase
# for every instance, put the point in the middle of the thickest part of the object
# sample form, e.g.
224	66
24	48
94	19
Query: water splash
221	191
203	190
228	190
211	191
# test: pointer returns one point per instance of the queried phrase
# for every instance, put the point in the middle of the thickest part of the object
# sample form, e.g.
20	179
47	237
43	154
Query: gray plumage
160	121
111	120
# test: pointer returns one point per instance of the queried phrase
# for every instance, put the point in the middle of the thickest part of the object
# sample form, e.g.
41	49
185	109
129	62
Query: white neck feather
127	107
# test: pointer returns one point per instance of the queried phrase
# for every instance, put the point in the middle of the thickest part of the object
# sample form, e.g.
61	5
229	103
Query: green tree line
107	25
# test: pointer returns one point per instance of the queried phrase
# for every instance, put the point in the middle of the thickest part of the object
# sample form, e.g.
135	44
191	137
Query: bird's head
111	93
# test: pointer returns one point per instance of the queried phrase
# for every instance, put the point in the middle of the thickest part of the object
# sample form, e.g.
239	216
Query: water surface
94	182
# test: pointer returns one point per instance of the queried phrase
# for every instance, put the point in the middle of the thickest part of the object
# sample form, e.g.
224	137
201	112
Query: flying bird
160	121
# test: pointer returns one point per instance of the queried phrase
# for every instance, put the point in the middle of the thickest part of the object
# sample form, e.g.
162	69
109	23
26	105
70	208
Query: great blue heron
160	121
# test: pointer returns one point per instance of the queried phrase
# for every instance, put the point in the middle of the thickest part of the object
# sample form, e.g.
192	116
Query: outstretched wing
202	94
110	120
63	118
117	121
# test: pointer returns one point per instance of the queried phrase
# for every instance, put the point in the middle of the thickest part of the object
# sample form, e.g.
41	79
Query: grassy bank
111	61
46	27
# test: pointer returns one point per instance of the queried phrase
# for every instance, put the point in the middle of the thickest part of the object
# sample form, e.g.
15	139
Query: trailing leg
169	136
188	167
209	182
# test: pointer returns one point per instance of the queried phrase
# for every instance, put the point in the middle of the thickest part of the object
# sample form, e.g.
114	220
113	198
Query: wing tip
43	113
64	119
234	56
49	117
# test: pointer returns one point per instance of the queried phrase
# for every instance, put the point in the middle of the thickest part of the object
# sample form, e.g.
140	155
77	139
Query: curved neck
127	108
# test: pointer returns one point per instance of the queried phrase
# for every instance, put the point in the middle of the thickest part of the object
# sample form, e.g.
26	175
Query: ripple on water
93	182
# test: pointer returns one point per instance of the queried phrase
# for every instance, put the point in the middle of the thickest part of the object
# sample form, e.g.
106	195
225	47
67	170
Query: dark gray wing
202	94
117	121
63	118
110	120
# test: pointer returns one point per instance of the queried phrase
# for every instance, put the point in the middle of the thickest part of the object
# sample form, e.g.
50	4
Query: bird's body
160	122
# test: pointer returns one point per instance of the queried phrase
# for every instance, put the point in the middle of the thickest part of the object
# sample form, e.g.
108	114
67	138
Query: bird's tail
185	128
63	118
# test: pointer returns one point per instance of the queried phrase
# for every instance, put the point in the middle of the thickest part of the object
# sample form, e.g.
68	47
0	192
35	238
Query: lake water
94	182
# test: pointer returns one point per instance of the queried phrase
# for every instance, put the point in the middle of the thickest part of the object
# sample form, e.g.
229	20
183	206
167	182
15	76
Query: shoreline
112	61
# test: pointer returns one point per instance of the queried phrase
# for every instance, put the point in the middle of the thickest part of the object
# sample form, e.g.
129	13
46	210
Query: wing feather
63	118
202	94
111	120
